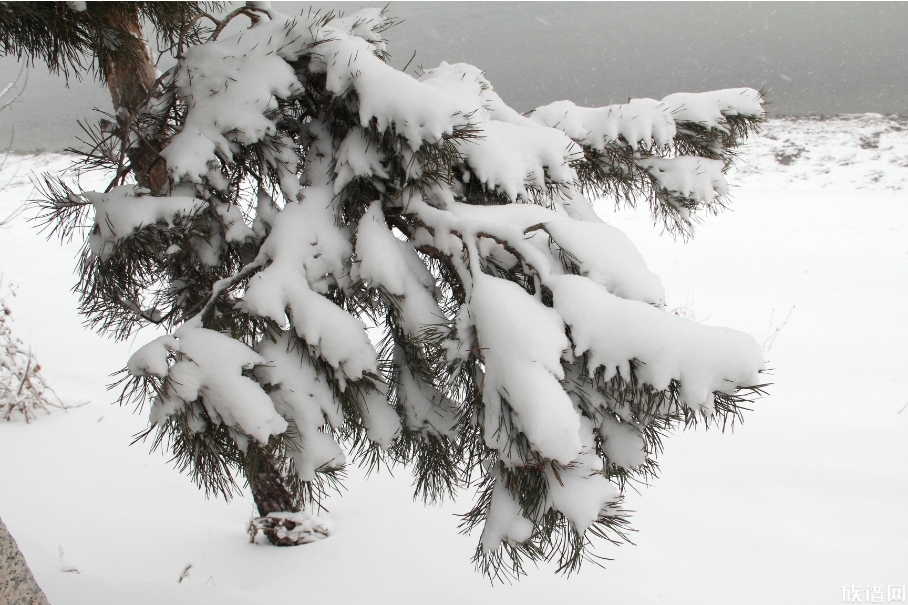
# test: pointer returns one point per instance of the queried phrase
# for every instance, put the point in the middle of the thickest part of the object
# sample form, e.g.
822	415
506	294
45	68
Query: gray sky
814	58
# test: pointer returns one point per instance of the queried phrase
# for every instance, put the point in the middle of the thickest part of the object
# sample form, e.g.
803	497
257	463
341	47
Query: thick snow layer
647	121
470	84
231	85
387	262
380	419
623	444
217	108
639	120
696	178
357	157
615	331
522	216
307	251
300	394
504	521
151	359
122	210
511	157
523	367
834	249
581	494
608	257
210	368
711	108
260	58
236	229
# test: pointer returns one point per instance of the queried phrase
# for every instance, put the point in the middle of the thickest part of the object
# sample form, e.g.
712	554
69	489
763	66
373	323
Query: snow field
806	496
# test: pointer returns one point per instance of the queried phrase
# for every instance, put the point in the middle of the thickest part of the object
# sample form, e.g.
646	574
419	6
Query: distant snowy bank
857	151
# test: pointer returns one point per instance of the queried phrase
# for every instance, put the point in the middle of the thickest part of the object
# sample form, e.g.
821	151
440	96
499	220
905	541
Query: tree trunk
289	526
268	489
130	89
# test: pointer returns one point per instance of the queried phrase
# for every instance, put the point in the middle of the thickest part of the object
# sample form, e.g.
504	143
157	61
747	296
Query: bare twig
773	333
220	24
185	573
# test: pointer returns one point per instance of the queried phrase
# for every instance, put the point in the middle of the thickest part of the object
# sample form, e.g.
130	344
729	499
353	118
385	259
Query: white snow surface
505	522
212	372
387	262
523	367
647	121
210	368
822	240
860	151
622	443
511	157
615	331
305	397
357	157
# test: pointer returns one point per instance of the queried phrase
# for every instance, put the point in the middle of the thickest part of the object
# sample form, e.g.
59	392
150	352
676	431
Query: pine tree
315	196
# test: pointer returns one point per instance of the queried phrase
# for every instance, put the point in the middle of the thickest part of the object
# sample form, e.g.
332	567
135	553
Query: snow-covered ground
808	495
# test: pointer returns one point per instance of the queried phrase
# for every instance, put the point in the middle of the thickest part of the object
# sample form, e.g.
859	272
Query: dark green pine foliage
99	38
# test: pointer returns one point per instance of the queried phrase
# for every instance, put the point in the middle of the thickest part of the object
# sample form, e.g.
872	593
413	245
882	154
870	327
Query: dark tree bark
130	88
268	489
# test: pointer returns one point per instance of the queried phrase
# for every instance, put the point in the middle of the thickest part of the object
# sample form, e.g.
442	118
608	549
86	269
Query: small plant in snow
23	391
282	192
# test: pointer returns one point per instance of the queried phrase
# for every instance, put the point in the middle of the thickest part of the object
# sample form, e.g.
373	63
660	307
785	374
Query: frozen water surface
815	58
